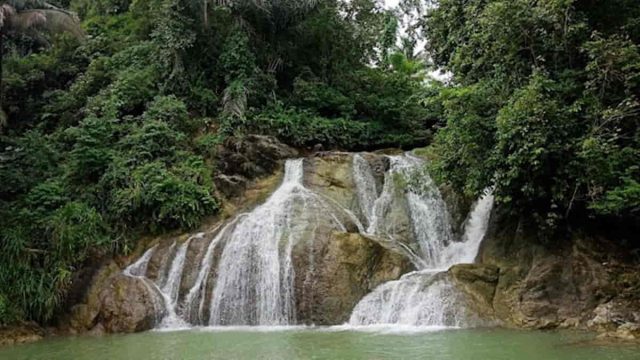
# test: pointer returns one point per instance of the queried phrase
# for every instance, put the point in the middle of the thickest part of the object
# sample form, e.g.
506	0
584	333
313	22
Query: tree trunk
205	12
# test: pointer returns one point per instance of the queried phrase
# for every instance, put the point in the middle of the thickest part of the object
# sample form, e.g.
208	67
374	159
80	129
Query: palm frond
234	100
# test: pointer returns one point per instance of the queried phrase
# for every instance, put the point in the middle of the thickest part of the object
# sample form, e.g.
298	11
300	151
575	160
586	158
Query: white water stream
425	297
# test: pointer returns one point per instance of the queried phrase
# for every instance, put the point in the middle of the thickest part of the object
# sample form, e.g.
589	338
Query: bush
159	198
301	128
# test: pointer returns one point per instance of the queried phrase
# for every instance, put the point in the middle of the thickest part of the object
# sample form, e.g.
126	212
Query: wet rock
479	283
567	285
252	156
157	267
458	207
128	305
231	185
379	166
346	268
20	334
83	316
331	175
616	315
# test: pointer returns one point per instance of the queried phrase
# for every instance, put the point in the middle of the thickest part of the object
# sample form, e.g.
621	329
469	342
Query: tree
27	17
554	121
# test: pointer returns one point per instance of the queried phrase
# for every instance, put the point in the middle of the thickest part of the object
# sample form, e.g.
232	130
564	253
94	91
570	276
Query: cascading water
421	298
428	212
255	278
242	272
475	227
254	273
424	297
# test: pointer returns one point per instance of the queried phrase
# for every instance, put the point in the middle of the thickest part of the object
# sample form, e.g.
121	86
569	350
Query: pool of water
327	343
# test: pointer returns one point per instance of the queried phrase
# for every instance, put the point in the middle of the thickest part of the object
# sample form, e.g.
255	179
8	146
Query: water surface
327	343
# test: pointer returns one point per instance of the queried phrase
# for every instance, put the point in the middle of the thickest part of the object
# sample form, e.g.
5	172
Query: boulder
332	176
346	267
479	283
231	185
128	304
252	156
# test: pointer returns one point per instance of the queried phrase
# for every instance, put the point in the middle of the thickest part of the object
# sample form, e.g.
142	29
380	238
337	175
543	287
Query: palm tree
29	17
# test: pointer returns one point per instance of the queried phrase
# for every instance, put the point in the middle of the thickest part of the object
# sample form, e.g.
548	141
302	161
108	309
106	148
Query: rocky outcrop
333	269
331	175
242	159
127	304
479	283
115	303
20	334
346	267
574	284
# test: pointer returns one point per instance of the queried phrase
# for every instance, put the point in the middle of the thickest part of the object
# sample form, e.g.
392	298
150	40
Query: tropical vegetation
111	112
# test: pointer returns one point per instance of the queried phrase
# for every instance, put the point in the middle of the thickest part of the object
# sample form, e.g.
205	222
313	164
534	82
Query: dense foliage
544	104
111	135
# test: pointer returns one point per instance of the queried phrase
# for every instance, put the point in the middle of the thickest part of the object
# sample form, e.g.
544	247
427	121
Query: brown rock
20	334
128	305
566	284
349	266
479	283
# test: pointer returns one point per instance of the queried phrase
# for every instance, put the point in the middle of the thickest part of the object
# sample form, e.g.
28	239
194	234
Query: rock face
479	283
349	265
243	159
573	285
127	305
516	282
115	303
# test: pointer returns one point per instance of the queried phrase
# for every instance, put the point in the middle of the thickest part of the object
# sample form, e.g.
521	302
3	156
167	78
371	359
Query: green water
326	344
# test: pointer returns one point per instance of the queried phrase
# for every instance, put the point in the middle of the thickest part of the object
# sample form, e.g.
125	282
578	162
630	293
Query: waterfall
475	227
242	271
428	213
255	280
366	188
425	297
253	265
171	286
138	270
197	295
417	299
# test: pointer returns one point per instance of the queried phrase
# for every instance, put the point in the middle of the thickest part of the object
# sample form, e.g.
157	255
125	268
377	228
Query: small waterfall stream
425	297
244	271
